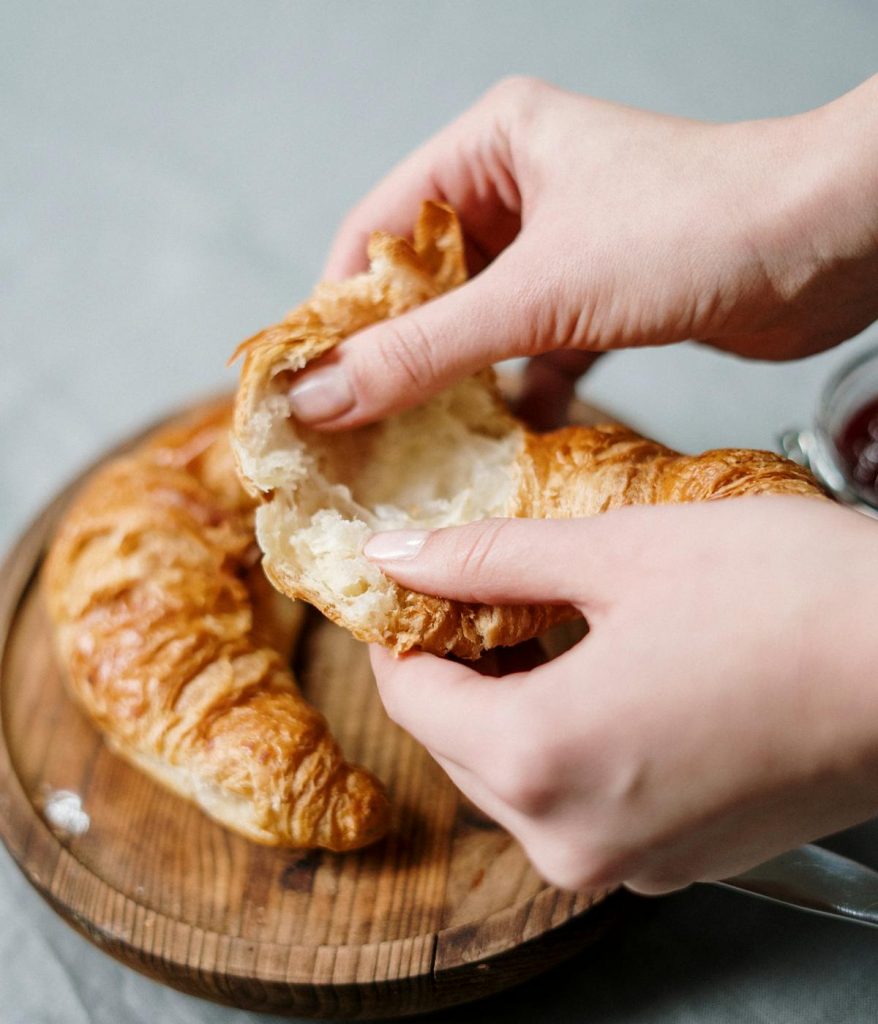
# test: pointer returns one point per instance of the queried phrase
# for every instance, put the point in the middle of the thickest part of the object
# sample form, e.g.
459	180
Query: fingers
497	752
468	164
503	561
448	707
465	720
399	363
550	386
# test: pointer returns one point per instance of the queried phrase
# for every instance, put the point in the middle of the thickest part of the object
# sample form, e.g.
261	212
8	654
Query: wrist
811	219
840	173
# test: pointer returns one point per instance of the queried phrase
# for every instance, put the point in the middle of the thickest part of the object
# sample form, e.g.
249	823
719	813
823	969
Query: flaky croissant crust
577	471
175	645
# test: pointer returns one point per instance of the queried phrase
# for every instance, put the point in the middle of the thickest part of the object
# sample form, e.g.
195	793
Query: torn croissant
459	457
176	646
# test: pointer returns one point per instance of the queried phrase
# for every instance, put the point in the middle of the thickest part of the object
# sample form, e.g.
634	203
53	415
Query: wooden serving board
444	910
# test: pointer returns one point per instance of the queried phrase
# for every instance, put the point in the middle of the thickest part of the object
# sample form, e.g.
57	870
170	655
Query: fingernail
321	395
395	545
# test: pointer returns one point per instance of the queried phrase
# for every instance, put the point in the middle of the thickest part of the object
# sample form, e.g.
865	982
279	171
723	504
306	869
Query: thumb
399	363
501	561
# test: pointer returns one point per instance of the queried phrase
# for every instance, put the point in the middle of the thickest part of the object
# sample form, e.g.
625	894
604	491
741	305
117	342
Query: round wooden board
445	910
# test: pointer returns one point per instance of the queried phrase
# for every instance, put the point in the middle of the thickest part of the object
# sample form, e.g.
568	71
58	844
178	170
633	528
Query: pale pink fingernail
395	545
321	395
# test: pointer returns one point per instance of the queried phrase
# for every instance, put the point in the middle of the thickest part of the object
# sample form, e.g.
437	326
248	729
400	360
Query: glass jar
841	449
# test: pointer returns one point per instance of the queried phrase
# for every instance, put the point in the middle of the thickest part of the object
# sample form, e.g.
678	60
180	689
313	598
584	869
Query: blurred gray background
171	175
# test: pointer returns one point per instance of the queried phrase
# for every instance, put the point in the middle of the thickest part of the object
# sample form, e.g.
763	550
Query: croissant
177	647
459	457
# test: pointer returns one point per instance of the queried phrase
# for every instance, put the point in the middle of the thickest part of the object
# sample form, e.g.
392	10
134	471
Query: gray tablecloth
170	178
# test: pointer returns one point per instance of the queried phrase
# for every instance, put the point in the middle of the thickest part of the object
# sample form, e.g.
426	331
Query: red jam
857	444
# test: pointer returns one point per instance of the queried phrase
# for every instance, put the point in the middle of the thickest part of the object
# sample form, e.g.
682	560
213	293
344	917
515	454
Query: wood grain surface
444	910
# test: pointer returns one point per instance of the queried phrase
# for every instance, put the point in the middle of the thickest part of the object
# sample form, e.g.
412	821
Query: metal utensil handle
817	880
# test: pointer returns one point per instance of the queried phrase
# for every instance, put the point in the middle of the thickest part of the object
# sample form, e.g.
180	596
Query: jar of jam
857	445
842	448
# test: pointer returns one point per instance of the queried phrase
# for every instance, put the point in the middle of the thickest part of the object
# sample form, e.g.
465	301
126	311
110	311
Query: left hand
722	708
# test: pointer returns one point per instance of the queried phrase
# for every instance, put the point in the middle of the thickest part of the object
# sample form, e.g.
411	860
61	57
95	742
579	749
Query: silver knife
811	878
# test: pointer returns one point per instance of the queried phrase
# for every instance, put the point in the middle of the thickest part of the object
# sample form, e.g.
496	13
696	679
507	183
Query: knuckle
569	865
518	99
561	864
516	89
525	778
477	546
523	787
405	353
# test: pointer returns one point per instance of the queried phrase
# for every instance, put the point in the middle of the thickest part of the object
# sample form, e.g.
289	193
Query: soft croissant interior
445	463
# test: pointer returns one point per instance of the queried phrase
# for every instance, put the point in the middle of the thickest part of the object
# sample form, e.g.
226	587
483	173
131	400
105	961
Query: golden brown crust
578	471
174	645
435	624
583	471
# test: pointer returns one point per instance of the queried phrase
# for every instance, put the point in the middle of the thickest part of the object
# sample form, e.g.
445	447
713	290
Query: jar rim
826	442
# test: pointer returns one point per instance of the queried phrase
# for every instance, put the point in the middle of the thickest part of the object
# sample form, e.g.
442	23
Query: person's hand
722	708
602	226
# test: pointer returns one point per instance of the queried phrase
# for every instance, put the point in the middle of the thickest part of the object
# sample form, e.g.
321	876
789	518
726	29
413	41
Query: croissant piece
459	457
177	647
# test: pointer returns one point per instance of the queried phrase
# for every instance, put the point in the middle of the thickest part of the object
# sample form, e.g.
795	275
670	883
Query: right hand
721	709
597	226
